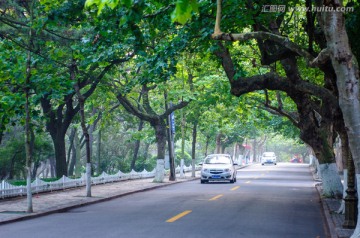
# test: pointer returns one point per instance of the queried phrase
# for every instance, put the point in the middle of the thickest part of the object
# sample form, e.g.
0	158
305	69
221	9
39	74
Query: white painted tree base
342	206
29	192
182	175
331	182
318	172
88	179
160	171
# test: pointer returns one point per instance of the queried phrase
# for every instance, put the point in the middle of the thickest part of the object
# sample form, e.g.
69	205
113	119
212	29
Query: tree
315	130
346	68
65	34
157	121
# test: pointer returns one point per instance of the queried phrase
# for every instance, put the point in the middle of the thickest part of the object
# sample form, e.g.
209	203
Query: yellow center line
216	197
234	188
178	216
248	182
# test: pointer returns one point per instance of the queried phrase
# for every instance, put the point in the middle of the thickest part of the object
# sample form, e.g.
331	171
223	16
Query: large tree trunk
331	181
160	131
347	72
60	153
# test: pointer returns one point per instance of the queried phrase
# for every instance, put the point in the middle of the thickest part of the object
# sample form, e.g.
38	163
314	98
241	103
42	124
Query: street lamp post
350	199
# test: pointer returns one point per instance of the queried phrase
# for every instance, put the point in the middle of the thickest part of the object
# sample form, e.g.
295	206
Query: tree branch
322	58
217	30
279	111
134	110
174	108
260	35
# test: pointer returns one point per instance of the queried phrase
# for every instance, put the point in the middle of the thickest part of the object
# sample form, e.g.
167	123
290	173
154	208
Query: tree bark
136	146
28	150
183	124
72	156
160	133
81	100
98	152
172	175
193	148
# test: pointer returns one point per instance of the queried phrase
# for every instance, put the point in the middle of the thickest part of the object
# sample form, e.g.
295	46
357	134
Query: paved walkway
46	203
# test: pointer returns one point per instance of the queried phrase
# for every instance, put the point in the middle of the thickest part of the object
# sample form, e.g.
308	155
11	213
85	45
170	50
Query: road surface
266	201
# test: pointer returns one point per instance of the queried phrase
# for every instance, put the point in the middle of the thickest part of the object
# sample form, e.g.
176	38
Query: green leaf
102	3
127	3
89	3
112	3
183	9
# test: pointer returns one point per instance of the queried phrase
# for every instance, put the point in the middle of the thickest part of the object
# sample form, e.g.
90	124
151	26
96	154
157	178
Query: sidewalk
330	206
333	219
12	210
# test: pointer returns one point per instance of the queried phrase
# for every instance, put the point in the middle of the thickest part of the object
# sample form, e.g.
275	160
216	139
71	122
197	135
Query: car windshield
268	155
220	159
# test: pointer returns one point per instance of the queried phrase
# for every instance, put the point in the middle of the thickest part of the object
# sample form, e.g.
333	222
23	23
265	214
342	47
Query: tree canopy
238	71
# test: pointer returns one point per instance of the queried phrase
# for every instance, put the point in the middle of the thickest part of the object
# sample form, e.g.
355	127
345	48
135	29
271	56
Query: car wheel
203	181
262	164
274	163
232	181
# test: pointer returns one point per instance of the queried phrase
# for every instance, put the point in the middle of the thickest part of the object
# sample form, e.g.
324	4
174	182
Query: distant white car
218	167
268	158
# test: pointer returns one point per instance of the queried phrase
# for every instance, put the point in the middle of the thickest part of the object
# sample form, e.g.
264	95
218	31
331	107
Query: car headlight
226	170
205	170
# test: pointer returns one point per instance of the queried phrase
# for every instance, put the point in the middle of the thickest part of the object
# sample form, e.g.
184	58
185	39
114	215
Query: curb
330	226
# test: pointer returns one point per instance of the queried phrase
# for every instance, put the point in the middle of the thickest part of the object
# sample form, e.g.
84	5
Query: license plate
215	176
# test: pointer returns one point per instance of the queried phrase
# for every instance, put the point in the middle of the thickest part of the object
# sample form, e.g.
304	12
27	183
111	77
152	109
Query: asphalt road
266	201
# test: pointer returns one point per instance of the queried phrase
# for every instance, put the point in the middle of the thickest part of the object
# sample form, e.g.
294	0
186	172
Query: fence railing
38	185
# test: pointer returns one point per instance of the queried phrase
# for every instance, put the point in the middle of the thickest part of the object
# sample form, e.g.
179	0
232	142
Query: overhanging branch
261	35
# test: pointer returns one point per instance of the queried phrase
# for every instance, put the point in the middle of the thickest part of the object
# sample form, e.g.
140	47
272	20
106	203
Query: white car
218	167
268	158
